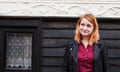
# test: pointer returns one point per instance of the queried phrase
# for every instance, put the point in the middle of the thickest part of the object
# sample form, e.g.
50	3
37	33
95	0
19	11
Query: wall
60	8
56	33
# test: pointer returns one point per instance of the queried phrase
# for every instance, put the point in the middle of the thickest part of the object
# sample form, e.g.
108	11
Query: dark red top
85	58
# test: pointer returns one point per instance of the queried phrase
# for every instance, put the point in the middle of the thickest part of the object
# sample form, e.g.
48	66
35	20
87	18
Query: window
19	51
20	45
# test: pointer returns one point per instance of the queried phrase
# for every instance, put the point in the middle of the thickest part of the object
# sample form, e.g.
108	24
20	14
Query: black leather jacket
101	63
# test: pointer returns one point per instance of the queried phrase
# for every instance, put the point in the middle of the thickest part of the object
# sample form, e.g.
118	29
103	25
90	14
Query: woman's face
86	27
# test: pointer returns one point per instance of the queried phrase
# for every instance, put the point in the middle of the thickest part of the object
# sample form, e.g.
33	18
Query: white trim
59	9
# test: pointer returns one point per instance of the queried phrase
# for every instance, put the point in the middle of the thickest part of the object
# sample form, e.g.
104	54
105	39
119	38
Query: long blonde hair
95	34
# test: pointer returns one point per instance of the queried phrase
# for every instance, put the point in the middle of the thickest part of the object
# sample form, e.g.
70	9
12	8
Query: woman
86	53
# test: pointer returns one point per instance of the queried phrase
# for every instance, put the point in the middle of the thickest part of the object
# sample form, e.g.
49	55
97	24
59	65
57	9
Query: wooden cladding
56	33
53	34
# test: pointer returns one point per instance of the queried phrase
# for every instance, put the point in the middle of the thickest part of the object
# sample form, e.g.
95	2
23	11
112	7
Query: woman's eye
82	24
88	25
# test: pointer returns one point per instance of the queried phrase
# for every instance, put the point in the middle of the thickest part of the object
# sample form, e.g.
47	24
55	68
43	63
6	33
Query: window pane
19	51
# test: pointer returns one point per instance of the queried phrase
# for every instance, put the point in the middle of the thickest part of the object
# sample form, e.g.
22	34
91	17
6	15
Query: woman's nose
85	27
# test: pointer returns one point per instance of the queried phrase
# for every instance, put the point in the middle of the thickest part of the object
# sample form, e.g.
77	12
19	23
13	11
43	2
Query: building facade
33	32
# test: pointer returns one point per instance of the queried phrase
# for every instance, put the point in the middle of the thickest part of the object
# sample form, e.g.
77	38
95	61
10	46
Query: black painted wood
66	33
55	34
21	26
51	69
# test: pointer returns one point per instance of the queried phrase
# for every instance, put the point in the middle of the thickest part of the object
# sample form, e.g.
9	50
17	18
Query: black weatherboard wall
51	33
57	31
